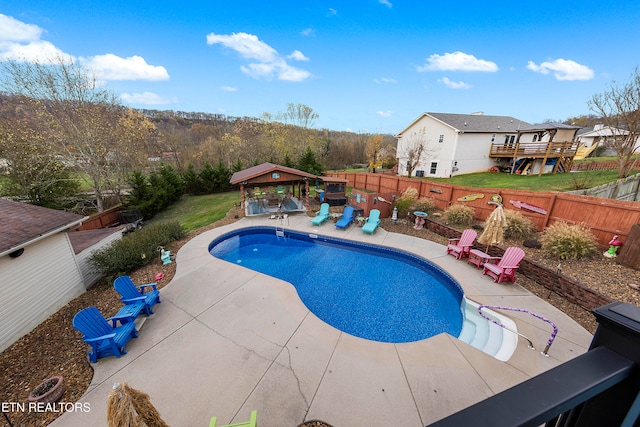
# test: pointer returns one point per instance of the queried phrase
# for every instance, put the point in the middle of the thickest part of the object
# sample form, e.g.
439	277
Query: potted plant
48	391
360	220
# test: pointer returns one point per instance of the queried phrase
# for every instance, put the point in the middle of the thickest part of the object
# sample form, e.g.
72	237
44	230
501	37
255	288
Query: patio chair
105	339
505	269
322	215
372	222
346	218
460	248
131	294
251	423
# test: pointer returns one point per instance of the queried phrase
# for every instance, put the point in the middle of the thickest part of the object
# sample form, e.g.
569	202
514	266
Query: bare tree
299	115
85	124
414	151
619	108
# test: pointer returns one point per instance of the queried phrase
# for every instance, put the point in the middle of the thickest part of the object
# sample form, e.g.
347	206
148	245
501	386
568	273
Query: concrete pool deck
227	340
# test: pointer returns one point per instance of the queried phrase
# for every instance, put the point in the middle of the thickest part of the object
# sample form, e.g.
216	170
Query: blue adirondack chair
322	215
372	222
346	218
131	294
105	339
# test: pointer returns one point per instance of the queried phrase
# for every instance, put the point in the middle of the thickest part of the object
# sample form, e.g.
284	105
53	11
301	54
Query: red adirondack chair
460	248
505	269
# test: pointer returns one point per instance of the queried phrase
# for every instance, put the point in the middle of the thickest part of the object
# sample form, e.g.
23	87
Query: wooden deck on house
564	151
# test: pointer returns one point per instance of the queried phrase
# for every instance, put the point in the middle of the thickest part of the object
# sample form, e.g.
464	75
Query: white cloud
298	56
146	98
563	69
386	3
228	88
269	62
385	80
307	32
21	42
332	12
457	61
38	50
387	113
16	31
112	67
454	85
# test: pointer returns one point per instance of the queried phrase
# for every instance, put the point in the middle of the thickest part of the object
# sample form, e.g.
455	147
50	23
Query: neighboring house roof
474	122
263	169
547	126
23	224
600	130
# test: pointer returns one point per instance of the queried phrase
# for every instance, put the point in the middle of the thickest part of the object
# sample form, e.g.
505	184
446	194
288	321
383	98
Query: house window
508	140
441	139
535	137
433	168
493	137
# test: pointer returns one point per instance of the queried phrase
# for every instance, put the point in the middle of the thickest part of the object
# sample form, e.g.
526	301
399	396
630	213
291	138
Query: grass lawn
547	182
193	212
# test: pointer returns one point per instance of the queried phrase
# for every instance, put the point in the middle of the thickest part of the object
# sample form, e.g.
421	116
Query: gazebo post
306	193
242	195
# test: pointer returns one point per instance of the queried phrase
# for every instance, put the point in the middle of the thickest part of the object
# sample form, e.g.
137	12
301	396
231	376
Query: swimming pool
369	291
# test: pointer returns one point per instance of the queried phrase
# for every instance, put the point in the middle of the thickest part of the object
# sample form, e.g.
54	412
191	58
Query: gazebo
269	188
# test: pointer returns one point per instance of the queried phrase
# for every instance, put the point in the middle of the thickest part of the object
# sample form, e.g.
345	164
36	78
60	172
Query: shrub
425	204
518	226
459	215
136	249
569	241
406	201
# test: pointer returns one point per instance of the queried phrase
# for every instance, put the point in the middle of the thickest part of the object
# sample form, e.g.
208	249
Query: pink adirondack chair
505	269
460	248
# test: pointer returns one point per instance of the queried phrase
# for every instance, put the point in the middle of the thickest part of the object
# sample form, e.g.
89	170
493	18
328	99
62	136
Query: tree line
59	127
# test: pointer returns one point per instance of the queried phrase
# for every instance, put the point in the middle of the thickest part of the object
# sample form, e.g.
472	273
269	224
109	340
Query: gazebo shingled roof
264	169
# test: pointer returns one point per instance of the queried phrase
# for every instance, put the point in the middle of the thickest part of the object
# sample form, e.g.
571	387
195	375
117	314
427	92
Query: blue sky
362	65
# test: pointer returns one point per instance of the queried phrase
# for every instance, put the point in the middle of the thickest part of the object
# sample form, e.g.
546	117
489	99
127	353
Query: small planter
48	391
360	221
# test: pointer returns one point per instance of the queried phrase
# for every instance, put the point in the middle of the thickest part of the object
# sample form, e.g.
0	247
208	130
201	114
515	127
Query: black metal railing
598	388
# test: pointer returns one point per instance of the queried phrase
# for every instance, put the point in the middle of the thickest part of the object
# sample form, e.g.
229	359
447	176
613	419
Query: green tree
309	163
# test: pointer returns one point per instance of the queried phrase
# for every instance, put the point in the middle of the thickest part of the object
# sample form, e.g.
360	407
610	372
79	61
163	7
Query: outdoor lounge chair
505	269
461	247
372	222
346	218
131	294
105	339
322	215
251	423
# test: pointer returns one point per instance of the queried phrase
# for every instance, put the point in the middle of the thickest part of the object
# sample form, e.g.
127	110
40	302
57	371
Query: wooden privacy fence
605	217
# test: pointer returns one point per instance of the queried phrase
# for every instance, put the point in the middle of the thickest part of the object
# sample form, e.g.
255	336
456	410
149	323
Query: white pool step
487	336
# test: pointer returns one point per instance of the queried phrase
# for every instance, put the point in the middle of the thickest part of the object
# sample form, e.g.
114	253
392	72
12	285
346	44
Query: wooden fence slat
605	217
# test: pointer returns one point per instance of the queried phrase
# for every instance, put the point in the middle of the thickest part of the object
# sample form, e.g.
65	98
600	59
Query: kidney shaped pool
369	291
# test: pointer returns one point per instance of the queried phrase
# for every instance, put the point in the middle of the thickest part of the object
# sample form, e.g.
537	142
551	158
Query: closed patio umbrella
493	233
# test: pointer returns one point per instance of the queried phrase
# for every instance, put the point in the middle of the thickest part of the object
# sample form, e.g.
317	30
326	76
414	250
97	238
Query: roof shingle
22	222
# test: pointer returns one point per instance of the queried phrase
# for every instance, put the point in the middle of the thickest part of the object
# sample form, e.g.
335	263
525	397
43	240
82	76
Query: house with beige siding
453	144
39	272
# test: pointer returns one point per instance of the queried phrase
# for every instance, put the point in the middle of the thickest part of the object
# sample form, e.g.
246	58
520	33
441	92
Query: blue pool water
368	291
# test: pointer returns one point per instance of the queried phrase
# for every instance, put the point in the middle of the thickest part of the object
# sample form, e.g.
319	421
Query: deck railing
534	149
